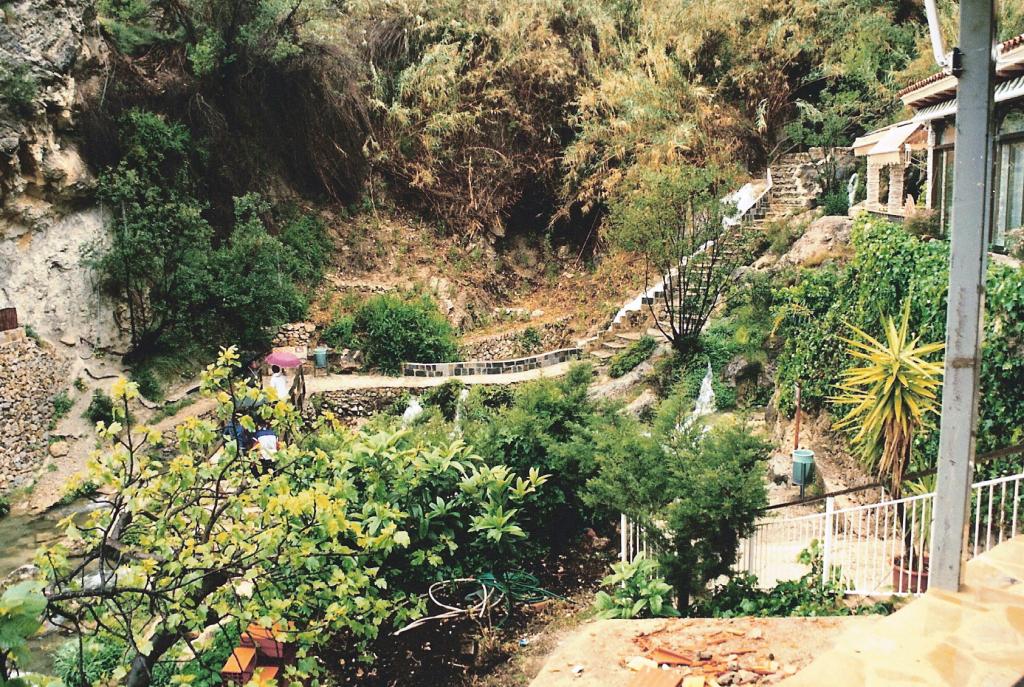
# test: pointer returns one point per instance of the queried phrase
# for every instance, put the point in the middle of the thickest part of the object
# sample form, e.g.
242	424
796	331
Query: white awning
887	141
1008	90
893	140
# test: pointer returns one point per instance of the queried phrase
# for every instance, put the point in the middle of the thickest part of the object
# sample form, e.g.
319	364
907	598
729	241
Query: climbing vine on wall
890	265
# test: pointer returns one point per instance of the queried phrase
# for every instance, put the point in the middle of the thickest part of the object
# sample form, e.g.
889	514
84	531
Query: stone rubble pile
30	376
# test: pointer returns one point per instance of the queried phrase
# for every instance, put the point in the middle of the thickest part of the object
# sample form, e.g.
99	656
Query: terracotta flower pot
913	578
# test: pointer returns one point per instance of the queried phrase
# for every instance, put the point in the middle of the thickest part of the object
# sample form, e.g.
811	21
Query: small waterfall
412	411
705	403
463	394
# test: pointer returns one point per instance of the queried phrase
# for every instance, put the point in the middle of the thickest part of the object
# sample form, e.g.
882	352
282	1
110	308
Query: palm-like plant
891	394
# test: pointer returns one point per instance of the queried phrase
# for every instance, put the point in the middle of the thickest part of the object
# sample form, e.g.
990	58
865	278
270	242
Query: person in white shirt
265	441
279	382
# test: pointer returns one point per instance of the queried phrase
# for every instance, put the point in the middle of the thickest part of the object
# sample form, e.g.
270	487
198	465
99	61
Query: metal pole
968	255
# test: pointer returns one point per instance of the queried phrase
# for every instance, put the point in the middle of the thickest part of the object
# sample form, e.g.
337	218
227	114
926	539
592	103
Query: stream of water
705	403
20	536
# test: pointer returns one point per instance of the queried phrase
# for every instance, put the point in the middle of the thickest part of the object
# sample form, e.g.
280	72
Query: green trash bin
803	467
320	357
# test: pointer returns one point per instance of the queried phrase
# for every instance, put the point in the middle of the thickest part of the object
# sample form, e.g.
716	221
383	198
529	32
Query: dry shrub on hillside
473	99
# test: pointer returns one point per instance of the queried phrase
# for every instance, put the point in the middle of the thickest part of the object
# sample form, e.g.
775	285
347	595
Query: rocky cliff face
48	49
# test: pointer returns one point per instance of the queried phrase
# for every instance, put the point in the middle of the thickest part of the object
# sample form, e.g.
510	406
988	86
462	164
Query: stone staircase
794	185
756	202
633	323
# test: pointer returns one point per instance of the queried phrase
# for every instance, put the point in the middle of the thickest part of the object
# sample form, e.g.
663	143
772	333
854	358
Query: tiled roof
1012	43
1005	46
922	83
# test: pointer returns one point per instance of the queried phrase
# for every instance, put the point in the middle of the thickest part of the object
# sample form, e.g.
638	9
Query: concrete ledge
490	367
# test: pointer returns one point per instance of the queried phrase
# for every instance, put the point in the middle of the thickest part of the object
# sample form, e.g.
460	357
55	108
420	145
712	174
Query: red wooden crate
239	666
268	642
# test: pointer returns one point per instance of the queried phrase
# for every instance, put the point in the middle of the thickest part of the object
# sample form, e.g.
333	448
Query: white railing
863	543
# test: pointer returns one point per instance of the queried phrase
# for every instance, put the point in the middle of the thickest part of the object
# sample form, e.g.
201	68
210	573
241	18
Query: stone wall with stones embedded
355	403
517	343
30	376
296	334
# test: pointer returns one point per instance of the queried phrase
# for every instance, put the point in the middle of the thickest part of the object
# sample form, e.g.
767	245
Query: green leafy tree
253	289
157	260
675	217
697	495
340	536
720	483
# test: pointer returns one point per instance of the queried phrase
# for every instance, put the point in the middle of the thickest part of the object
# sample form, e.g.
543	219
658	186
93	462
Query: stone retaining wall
490	367
30	376
515	344
295	334
349	403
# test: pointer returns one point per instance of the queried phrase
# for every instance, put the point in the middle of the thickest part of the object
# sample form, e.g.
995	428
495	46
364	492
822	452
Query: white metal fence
864	543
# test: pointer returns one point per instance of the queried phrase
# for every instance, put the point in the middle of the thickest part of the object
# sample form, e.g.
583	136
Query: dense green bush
340	333
149	385
62	404
101	408
98	658
393	330
550	425
18	88
307	247
637	352
835	203
530	340
5	506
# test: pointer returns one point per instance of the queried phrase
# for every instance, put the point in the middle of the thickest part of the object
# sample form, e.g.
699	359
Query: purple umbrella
283	359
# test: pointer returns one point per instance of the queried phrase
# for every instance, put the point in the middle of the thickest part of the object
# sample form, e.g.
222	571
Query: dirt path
76	433
51	485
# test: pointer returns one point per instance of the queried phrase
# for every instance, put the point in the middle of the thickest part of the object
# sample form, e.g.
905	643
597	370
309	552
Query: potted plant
892	391
910	570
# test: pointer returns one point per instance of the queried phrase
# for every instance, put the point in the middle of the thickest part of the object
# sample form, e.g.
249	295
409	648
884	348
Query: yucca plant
892	395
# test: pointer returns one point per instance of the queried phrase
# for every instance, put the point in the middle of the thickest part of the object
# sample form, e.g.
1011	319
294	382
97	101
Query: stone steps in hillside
615	346
601	355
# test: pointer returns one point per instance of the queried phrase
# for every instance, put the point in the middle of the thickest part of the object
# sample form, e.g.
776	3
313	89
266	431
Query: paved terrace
975	637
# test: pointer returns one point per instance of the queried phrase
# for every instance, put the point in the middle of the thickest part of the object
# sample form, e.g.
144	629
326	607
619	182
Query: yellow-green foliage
892	392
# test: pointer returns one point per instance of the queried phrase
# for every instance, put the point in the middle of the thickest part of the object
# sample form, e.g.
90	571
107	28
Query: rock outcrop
47	215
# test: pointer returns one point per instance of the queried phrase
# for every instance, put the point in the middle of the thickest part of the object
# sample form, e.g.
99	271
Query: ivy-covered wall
890	265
